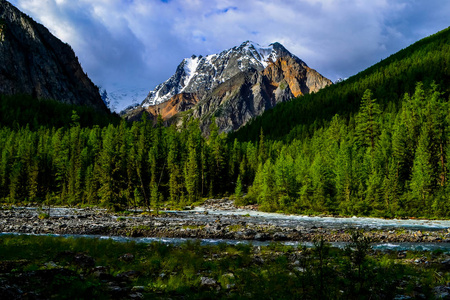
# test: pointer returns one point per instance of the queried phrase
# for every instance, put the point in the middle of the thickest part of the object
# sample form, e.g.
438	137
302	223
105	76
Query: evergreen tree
367	121
191	169
238	189
422	179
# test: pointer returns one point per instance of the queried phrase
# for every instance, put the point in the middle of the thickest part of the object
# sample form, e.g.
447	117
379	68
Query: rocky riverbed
215	219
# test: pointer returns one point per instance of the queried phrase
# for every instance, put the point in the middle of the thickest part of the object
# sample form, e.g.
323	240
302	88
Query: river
67	222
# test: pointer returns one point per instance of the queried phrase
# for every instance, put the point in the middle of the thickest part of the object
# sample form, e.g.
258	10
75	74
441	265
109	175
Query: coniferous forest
375	144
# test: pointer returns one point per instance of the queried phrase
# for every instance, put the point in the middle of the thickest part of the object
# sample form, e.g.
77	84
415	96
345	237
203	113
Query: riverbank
217	219
48	267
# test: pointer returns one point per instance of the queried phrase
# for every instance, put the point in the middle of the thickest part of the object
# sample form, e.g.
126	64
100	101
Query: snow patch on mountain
190	67
120	98
264	55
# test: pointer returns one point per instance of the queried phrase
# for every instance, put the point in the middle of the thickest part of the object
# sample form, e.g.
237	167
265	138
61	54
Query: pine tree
108	170
191	170
285	180
217	165
422	179
262	151
173	165
238	189
367	121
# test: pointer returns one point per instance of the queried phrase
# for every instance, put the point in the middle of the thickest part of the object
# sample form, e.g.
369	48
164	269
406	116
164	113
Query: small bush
43	216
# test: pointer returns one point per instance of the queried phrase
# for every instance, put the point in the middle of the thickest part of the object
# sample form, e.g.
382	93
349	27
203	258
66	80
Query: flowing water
325	222
208	215
177	241
201	214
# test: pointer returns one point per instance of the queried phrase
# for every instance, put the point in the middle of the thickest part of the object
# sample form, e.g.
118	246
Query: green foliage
238	189
63	268
378	163
367	121
118	166
43	216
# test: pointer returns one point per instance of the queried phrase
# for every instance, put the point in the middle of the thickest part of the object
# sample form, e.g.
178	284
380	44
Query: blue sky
139	43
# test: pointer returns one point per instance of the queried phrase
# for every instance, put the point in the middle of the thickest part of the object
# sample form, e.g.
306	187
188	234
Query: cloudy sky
139	43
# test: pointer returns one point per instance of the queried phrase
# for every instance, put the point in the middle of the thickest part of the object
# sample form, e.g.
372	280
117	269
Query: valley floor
218	219
37	263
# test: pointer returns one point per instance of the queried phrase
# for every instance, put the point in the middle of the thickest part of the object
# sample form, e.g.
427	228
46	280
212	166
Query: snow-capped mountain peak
203	73
230	87
264	55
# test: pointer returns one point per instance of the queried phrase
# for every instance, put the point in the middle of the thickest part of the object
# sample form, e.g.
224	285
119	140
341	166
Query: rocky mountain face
232	86
34	62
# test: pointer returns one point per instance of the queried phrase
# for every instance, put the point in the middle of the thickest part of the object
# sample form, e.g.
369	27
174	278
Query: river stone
129	275
420	260
207	282
102	273
446	264
278	236
136	296
258	260
138	288
10	291
84	261
51	264
127	257
300	269
261	237
116	291
249	234
442	292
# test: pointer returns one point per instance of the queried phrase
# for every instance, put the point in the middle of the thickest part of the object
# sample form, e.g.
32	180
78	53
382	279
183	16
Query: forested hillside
391	162
376	144
426	61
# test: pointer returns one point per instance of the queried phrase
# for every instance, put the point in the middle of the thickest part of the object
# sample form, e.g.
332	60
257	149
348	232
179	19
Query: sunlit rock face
233	86
34	62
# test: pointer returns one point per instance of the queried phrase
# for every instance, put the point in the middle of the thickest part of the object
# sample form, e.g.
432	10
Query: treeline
381	162
427	61
391	162
119	166
18	111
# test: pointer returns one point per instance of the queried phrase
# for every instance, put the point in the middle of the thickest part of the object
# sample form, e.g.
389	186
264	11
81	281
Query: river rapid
219	221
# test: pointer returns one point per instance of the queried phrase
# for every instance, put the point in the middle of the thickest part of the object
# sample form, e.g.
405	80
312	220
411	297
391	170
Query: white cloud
140	42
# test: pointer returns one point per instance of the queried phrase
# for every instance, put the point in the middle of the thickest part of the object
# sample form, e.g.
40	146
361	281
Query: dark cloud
139	43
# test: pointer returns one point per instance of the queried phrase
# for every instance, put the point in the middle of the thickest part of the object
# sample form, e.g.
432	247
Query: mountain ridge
273	75
35	62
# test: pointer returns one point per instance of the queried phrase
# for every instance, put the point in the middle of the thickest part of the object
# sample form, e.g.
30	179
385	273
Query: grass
88	268
236	228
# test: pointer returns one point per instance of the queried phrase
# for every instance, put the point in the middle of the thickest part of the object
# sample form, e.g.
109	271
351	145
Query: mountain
34	62
233	86
119	98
